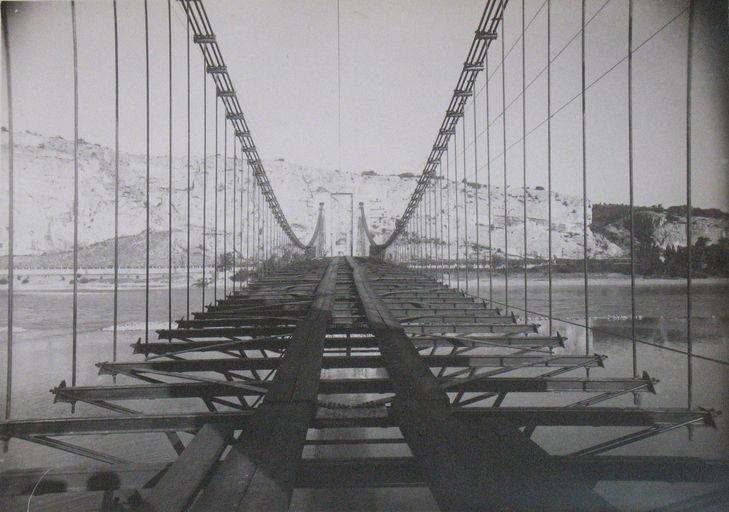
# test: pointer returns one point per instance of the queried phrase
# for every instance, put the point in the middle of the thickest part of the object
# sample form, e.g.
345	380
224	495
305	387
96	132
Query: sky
399	64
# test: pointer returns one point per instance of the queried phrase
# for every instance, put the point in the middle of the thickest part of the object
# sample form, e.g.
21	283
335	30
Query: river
43	358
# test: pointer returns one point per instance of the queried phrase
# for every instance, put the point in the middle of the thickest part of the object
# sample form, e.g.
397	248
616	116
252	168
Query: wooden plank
181	482
468	466
260	470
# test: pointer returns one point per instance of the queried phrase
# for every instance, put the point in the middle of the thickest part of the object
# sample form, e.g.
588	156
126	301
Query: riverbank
93	280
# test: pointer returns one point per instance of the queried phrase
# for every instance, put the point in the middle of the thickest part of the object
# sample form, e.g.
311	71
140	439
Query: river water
43	358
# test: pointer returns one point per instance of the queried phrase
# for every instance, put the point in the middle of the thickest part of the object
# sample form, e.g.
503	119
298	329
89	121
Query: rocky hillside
44	192
663	227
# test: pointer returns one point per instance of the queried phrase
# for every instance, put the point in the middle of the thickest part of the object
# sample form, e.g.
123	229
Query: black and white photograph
364	255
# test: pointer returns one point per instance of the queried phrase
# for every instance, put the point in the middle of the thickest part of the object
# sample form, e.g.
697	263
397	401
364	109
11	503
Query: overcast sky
399	64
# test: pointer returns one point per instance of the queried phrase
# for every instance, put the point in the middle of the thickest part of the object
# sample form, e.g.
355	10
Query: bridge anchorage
402	375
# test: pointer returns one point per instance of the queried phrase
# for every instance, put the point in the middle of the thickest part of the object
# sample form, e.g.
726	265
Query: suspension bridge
398	342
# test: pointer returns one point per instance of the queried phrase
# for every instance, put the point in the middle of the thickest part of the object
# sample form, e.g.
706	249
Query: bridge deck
329	345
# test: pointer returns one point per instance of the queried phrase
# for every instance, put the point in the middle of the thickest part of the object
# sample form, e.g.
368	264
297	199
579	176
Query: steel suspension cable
631	190
215	64
254	227
488	181
441	270
11	216
240	226
426	208
254	222
189	182
426	230
496	68
169	205
429	227
524	155
433	225
146	246
115	305
74	340
549	162
412	243
259	232
592	83
248	224
215	207
435	246
424	214
486	32
421	237
205	179
339	93
406	247
423	231
257	219
625	337
448	209
455	179
476	198
506	192
465	204
584	189
414	239
689	227
418	234
544	69
235	190
225	208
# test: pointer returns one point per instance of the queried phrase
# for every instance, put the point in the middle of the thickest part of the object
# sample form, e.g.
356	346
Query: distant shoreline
93	281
